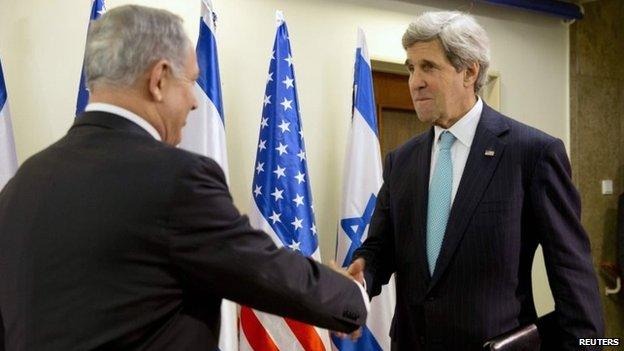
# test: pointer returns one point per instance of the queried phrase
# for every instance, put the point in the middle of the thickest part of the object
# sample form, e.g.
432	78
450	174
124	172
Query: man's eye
427	67
410	68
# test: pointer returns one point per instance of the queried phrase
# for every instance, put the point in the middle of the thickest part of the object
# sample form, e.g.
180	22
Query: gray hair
127	40
463	39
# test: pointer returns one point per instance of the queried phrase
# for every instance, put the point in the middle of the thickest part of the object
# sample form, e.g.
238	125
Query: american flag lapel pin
490	153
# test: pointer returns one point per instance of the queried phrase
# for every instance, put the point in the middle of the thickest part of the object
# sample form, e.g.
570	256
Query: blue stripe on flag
3	90
207	59
364	96
366	342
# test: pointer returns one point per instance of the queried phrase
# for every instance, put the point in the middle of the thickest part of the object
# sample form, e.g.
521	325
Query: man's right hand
356	270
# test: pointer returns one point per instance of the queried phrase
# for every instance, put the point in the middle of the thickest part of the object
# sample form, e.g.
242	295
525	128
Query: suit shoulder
527	137
187	160
529	133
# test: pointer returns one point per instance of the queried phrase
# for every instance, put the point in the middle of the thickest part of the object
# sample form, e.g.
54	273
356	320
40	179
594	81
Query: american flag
282	200
97	10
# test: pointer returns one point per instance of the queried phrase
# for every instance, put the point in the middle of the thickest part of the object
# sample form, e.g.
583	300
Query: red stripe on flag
256	335
307	335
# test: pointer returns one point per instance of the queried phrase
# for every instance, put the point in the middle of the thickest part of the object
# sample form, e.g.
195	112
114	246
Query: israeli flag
204	134
361	182
97	9
8	157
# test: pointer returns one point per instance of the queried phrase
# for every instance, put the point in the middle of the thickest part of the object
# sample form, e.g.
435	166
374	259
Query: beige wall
597	102
41	43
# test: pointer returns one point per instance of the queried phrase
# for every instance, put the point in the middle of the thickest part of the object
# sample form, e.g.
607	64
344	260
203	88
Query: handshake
355	272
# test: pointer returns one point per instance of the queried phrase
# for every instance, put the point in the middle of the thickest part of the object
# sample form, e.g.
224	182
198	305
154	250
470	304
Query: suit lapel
419	177
485	153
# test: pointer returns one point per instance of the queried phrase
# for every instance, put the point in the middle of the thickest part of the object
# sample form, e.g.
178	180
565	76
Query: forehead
425	50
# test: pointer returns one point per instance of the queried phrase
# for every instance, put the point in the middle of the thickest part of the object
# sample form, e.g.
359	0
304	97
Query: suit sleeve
217	252
556	208
378	248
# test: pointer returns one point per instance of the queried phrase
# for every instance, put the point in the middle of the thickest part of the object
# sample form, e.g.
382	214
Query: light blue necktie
439	206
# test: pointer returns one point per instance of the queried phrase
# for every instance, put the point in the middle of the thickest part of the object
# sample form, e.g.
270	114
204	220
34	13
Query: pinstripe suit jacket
505	206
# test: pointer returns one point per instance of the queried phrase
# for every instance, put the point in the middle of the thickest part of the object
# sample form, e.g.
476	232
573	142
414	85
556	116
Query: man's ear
157	77
470	74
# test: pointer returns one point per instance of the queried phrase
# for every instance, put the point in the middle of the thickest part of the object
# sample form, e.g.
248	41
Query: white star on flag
295	245
277	194
264	123
267	99
298	200
288	82
297	223
284	126
280	172
301	155
260	167
282	148
289	59
275	217
300	177
286	103
262	145
270	77
258	190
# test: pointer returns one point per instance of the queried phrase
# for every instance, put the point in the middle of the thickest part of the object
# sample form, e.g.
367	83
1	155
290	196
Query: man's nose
416	81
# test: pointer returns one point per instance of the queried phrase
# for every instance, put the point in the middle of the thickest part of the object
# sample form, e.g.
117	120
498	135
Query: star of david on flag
362	180
8	156
282	200
97	10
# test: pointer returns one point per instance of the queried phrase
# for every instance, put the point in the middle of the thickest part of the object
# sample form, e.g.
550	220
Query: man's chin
425	117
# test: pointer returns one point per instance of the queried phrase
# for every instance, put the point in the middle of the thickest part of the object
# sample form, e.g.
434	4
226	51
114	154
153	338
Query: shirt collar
465	128
122	112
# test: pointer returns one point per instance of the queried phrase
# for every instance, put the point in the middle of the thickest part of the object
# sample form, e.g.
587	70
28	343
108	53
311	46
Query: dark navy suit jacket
506	205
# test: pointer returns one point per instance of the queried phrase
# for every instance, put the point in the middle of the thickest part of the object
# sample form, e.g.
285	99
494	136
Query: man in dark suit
464	206
113	240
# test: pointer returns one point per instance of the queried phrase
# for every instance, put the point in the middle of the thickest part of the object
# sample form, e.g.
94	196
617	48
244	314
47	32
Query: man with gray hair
113	239
464	206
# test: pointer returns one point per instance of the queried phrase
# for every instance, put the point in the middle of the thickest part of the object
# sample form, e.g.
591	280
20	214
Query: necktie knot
446	140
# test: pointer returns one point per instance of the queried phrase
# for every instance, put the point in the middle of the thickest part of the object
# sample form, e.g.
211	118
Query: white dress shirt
122	112
464	130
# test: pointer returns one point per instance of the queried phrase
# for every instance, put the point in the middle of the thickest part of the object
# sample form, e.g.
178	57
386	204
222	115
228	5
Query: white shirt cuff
364	295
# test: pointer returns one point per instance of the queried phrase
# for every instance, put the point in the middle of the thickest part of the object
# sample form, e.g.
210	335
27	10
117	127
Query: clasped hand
355	272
